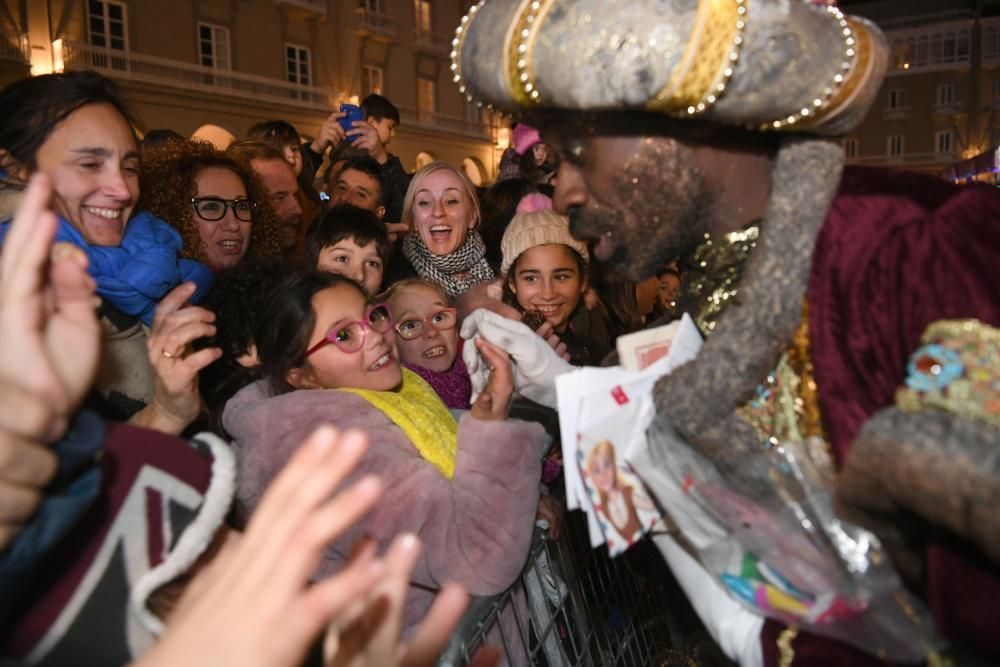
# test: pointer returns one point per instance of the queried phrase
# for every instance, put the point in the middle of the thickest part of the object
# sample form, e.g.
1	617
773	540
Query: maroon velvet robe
897	252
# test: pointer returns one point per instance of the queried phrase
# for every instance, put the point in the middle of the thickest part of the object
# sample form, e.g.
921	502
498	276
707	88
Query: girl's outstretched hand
493	403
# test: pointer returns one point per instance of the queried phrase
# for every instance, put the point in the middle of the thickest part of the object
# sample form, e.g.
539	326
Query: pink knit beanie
524	138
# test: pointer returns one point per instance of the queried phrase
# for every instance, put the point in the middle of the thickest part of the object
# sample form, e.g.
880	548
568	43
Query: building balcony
438	122
309	9
905	160
431	42
947	109
190	77
375	25
895	113
14	46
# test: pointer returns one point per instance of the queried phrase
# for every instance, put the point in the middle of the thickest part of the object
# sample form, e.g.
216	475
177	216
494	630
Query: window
946	95
425	98
949	48
896	99
991	45
894	145
850	148
213	46
422	15
107	23
371	5
371	80
944	143
298	64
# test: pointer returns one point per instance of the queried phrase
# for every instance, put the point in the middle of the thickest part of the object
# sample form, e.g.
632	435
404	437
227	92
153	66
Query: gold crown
766	64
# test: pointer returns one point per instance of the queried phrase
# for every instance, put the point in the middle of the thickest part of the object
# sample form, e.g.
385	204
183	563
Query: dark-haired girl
467	488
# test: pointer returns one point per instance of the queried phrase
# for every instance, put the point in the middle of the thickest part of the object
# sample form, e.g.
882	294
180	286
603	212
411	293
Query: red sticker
619	395
688	483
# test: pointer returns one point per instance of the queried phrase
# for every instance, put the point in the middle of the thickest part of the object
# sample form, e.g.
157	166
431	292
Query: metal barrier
572	605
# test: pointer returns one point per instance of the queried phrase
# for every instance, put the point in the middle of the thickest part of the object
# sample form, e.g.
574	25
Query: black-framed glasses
442	320
213	209
350	336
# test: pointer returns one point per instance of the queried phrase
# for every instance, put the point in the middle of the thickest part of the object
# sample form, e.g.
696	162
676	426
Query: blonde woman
443	246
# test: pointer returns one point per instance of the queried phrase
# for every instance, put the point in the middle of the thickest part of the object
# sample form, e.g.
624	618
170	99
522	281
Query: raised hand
254	605
493	403
330	133
176	399
48	356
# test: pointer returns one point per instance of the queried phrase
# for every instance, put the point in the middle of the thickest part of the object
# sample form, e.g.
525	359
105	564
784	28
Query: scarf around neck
453	385
469	259
135	275
425	420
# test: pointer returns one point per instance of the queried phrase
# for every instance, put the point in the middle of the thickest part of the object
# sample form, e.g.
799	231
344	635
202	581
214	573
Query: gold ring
167	354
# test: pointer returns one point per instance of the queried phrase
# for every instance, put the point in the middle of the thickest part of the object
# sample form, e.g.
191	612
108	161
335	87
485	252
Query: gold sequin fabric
956	369
712	273
785	407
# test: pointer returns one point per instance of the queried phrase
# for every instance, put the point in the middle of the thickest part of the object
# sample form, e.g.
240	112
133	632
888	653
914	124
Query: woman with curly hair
216	203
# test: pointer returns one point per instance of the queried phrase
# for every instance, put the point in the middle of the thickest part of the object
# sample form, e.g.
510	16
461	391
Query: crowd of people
286	402
233	299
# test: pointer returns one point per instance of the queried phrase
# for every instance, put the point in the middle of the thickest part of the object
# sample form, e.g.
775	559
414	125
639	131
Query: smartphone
352	112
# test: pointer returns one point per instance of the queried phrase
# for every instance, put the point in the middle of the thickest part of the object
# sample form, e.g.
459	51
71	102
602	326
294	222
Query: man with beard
278	178
853	308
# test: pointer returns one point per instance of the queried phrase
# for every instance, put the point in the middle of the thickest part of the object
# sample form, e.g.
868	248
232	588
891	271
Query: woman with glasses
75	129
426	327
467	487
214	201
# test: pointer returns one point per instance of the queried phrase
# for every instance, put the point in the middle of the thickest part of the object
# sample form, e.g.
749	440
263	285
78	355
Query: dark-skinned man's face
643	199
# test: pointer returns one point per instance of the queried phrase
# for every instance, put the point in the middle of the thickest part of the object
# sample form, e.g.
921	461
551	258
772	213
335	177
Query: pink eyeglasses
350	336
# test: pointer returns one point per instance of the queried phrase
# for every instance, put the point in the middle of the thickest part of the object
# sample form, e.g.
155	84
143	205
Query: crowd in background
258	293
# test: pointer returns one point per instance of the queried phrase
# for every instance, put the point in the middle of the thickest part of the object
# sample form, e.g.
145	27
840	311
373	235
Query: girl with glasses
426	330
467	487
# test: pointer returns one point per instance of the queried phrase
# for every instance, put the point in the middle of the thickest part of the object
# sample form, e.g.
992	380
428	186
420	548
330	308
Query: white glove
536	364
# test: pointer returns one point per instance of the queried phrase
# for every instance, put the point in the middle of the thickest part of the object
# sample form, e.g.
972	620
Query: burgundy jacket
897	252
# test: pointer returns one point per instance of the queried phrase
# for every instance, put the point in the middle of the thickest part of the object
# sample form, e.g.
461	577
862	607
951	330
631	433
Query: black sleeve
315	159
396	181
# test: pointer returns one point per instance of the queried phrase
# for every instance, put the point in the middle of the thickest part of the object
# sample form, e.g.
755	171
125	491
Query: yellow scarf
425	419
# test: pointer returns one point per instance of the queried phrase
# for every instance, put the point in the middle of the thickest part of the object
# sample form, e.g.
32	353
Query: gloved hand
536	364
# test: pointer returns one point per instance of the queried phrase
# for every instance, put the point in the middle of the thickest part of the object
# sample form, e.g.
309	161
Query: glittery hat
764	64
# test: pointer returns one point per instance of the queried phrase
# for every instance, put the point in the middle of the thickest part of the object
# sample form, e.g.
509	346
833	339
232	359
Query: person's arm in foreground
254	605
48	357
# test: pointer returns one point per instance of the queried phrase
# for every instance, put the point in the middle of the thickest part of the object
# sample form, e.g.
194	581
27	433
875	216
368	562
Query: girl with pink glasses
467	487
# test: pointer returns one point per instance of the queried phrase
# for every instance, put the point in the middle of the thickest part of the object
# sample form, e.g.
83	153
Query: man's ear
301	378
380	212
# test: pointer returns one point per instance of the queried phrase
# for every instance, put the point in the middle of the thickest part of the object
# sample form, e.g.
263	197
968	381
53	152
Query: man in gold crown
854	307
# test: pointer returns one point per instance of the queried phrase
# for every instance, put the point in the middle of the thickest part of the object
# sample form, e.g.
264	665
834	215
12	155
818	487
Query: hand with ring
177	399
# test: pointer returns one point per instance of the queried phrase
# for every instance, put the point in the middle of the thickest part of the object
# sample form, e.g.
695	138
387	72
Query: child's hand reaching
493	403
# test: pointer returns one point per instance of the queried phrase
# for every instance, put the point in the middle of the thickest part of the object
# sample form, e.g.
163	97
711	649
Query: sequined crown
766	64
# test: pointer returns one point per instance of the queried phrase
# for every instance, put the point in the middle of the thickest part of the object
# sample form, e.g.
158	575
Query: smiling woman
442	208
75	129
214	201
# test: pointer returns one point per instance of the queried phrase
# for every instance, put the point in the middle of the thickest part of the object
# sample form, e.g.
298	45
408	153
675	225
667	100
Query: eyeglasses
441	320
350	336
213	209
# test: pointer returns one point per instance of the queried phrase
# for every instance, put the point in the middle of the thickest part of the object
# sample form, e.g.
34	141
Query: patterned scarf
468	259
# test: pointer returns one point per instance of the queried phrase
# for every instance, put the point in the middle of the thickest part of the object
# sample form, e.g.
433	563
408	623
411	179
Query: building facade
213	68
940	103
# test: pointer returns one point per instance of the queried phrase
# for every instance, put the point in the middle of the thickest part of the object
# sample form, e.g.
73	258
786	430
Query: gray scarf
468	259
